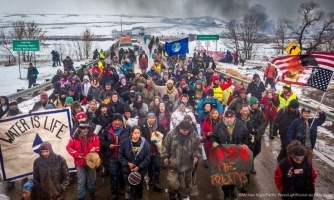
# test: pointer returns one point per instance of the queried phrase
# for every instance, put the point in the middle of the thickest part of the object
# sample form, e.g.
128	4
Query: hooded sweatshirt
86	85
52	172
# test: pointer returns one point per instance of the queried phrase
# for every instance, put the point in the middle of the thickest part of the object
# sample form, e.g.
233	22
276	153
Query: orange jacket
270	72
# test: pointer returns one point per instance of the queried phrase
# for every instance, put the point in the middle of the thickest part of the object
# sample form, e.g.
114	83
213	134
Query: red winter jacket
206	128
270	72
75	144
266	108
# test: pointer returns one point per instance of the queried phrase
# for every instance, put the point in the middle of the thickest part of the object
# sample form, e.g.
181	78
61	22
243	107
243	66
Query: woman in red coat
207	128
143	62
269	104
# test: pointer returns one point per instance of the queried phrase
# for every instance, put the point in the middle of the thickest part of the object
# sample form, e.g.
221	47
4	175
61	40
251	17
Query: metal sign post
34	59
20	65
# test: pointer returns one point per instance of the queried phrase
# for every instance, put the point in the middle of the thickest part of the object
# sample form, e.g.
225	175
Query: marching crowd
139	122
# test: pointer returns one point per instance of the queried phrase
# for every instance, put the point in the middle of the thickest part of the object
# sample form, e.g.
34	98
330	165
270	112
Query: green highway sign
207	37
25	45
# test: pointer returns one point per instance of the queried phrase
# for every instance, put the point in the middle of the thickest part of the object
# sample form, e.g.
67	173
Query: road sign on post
25	45
293	49
208	43
207	37
199	44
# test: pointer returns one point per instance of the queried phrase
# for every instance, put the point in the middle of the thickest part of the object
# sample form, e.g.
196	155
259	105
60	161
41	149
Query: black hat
205	102
55	91
14	103
89	97
165	97
229	113
184	124
294	104
62	93
117	116
305	110
210	92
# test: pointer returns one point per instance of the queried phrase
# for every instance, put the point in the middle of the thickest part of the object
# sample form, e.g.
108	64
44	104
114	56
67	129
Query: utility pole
121	28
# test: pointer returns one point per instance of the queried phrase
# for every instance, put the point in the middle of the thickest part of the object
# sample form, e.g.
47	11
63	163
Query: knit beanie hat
255	76
117	116
294	104
210	92
28	185
69	100
162	105
81	115
44	95
253	100
150	114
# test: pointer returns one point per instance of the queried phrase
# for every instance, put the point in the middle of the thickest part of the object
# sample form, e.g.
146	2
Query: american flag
312	69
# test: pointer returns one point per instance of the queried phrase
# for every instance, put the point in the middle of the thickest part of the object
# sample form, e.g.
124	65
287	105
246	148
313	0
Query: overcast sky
224	9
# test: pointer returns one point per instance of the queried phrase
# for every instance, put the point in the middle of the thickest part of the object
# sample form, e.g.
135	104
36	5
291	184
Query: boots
91	196
157	188
253	170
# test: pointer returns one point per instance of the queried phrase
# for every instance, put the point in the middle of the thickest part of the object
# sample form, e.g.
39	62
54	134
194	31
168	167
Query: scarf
4	108
161	116
170	91
257	83
118	131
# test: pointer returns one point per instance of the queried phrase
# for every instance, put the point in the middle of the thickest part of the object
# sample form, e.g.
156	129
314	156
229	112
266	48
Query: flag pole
322	98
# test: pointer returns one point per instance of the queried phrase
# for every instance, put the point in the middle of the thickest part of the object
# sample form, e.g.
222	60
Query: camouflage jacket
181	156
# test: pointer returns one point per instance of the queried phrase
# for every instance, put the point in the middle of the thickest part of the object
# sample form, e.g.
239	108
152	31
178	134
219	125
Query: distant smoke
225	9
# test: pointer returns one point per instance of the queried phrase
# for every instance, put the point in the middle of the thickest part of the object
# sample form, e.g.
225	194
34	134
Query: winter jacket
180	156
240	134
52	174
77	88
256	90
237	103
4	109
38	106
111	78
268	107
162	90
296	183
120	88
178	116
56	78
125	67
269	72
86	85
95	90
147	91
117	107
78	146
32	73
206	128
102	95
68	64
297	129
201	118
251	124
195	97
283	120
147	134
126	154
215	103
142	112
284	100
260	118
143	63
165	121
109	137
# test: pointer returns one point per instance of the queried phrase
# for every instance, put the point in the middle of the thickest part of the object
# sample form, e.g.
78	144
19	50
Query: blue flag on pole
177	47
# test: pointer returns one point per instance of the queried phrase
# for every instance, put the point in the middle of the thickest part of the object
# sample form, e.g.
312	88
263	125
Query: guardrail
329	115
34	91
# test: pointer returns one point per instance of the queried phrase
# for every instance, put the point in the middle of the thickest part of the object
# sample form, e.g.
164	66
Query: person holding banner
51	172
81	143
229	131
181	151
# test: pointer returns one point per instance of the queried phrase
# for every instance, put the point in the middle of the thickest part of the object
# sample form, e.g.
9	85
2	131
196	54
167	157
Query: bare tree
78	49
5	42
251	32
27	30
232	41
279	34
87	42
308	28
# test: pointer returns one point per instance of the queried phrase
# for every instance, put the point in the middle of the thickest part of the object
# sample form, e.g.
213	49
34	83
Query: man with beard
40	105
54	181
286	96
111	139
151	129
256	87
140	108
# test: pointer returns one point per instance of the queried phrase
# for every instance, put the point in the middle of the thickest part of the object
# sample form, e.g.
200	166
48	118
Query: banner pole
322	98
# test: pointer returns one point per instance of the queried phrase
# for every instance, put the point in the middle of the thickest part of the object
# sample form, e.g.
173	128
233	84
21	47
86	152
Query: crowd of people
148	122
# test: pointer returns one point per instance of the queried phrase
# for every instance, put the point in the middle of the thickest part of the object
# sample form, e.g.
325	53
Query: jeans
116	177
154	168
31	82
82	173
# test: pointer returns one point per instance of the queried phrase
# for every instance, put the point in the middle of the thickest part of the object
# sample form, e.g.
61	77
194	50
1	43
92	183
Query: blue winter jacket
297	129
125	67
215	103
126	154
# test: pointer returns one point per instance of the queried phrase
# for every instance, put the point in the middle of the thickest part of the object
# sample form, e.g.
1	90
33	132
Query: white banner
21	136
